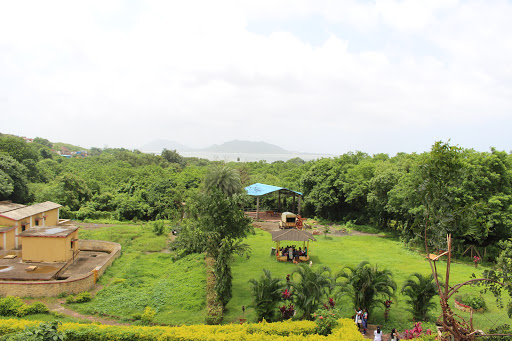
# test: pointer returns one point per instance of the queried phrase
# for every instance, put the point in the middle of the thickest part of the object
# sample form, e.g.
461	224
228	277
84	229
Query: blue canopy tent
257	190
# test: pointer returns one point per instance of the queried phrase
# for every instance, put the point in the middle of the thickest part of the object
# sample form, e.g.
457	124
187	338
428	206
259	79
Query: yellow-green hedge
281	331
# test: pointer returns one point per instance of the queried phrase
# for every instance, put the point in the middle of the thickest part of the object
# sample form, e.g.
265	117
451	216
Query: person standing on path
358	318
394	335
365	320
377	335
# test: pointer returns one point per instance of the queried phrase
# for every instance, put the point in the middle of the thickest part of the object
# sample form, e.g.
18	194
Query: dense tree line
461	191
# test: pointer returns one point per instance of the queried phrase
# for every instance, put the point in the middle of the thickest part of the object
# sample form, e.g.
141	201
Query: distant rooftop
49	231
6	206
258	189
27	211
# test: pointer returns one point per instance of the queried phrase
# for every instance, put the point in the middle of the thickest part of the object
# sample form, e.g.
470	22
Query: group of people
292	253
361	319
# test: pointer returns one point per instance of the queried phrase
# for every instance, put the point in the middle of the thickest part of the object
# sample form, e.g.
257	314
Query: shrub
158	227
148	315
475	302
266	294
80	298
9	305
326	321
42	332
500	329
284	331
38	308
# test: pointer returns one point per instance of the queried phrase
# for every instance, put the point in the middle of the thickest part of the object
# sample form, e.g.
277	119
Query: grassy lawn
337	252
146	276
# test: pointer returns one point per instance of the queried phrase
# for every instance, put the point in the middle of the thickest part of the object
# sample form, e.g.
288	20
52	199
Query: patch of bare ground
93	226
270	226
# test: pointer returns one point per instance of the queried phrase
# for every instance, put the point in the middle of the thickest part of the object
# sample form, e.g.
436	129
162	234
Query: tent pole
257	207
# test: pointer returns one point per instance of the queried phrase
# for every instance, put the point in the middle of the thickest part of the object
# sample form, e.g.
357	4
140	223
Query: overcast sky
316	76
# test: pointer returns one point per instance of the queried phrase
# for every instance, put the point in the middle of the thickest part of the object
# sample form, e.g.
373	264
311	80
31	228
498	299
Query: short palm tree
369	284
420	289
310	291
266	295
223	178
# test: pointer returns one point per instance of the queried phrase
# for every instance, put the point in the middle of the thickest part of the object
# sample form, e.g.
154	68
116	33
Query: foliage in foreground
14	306
369	285
266	294
288	330
420	289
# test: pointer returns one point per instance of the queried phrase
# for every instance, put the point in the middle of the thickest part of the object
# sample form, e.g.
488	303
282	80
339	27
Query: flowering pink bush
476	259
415	332
286	294
325	321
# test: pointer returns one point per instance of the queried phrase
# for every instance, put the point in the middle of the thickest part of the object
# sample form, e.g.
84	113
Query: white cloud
191	71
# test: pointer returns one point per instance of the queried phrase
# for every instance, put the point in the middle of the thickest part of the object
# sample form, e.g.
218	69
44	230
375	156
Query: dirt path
274	226
59	308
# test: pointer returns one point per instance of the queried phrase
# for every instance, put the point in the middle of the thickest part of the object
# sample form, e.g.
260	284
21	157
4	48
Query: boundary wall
71	286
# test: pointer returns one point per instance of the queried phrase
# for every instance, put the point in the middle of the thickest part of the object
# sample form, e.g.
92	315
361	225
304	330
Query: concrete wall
71	286
48	249
52	217
6	222
7	240
99	245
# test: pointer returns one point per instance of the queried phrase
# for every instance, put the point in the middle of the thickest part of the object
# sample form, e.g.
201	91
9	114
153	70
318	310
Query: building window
37	222
23	227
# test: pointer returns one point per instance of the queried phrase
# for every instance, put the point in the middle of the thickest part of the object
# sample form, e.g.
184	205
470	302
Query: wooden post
279	201
257	207
277	251
294	203
299	204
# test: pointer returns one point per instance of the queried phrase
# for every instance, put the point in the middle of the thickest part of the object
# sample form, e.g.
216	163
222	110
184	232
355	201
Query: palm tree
420	289
223	178
368	284
266	294
311	290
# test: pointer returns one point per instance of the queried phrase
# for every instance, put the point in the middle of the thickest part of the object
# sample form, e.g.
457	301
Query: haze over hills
235	146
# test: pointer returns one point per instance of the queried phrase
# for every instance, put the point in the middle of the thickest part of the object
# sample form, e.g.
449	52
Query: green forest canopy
466	193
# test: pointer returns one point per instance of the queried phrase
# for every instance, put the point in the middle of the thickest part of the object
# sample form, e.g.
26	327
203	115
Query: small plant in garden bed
475	302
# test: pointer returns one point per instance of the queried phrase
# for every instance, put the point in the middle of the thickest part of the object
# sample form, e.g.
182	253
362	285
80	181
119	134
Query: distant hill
237	146
158	145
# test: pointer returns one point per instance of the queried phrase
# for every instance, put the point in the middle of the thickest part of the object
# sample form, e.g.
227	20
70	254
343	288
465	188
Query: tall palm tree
311	290
420	289
369	284
266	295
223	178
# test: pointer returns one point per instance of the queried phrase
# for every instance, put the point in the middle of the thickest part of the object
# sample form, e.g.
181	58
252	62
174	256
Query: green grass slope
337	252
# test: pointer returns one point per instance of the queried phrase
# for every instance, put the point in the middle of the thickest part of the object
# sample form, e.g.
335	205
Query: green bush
500	329
475	302
42	332
80	298
14	306
9	306
148	315
326	321
158	227
38	308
